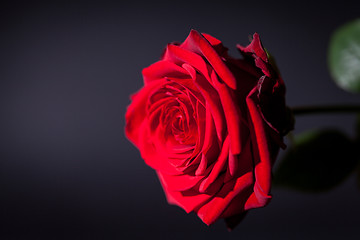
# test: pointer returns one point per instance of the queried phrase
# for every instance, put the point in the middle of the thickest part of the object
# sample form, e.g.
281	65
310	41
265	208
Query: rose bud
211	126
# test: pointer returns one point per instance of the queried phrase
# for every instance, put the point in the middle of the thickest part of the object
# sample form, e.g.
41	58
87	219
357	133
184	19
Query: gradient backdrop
67	69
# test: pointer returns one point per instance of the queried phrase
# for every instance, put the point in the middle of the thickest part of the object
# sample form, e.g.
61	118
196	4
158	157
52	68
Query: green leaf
344	56
318	161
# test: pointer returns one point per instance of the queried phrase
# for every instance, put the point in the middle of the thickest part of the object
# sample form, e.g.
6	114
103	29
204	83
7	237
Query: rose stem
326	109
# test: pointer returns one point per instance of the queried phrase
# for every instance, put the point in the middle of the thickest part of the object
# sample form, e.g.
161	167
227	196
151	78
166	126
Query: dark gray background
67	70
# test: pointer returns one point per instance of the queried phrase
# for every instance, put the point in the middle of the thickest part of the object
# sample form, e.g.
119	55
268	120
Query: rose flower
211	126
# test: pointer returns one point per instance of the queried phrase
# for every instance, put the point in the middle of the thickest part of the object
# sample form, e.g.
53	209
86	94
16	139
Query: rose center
171	112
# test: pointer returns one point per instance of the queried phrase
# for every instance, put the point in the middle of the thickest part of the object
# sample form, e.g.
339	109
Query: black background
67	70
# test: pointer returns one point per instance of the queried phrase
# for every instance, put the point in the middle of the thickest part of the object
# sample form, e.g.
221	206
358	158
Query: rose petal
163	69
202	166
187	200
190	87
233	114
218	166
213	102
216	44
255	47
259	55
181	55
211	211
236	206
195	42
179	182
240	164
259	139
152	157
136	111
211	148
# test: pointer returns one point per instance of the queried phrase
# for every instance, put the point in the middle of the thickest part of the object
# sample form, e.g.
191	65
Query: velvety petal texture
211	126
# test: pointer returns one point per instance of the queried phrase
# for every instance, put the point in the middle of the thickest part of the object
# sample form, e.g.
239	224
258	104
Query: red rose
210	125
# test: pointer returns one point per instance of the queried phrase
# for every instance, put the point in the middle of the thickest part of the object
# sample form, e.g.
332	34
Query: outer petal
136	112
213	209
263	160
198	44
255	47
179	183
214	103
152	157
217	167
179	56
163	69
256	51
216	44
232	112
187	200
